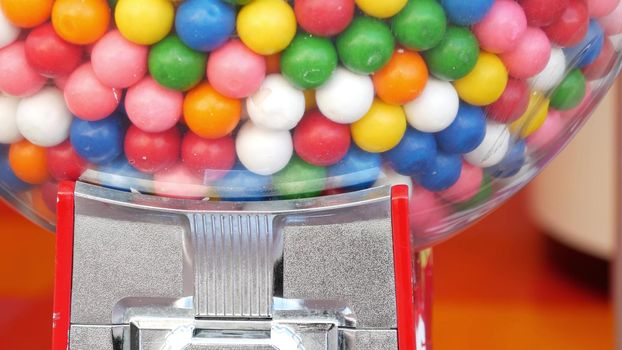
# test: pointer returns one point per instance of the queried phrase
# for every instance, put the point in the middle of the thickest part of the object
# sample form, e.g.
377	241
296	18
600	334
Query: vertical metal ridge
233	265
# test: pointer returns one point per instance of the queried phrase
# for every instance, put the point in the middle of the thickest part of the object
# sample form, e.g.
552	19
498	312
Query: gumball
468	185
441	174
455	55
309	61
144	22
427	211
485	83
381	129
179	181
176	66
29	162
49	54
152	152
465	133
243	185
120	175
530	55
402	79
600	8
81	22
17	77
8	32
43	118
502	27
273	63
320	141
64	163
266	26
264	151
512	163
204	25
99	141
87	98
356	171
543	12
420	25
60	82
466	13
49	192
435	109
211	158
322	17
551	128
493	148
153	108
9	132
415	153
276	105
235	71
588	50
27	13
300	179
611	22
534	116
346	97
381	9
552	74
482	196
390	178
310	102
8	179
366	45
512	103
603	63
570	91
210	114
118	62
571	26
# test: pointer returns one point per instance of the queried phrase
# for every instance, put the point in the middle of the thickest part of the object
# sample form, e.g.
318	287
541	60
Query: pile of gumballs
256	99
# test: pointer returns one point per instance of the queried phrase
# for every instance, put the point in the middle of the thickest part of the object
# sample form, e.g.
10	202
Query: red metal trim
404	277
64	266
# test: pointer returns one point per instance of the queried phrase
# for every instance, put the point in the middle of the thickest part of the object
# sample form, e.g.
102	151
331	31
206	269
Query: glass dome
256	100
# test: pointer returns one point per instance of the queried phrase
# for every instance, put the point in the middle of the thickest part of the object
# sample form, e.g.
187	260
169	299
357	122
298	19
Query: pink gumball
550	129
236	71
179	182
600	8
581	108
467	186
118	62
426	212
502	27
87	98
611	22
152	107
17	77
61	81
530	55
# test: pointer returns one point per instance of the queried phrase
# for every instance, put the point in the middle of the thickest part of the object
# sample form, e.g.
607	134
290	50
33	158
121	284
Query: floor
501	285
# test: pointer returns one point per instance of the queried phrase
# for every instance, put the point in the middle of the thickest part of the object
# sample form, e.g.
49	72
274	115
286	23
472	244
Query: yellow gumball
534	117
485	83
144	22
267	26
381	129
381	8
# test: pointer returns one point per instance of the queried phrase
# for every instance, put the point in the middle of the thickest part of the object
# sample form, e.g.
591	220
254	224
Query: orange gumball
402	79
273	64
210	114
27	13
29	162
81	22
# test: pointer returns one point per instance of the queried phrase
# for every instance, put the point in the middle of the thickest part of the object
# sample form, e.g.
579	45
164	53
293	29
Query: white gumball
392	178
435	109
552	74
43	118
346	97
493	148
264	151
9	133
276	105
8	32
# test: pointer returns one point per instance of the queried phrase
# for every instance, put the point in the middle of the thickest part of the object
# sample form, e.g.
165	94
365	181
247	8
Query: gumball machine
270	174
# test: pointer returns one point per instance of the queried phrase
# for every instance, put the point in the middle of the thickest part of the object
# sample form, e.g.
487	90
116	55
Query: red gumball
49	192
603	64
570	28
324	17
211	158
320	141
64	164
50	55
512	103
543	12
152	152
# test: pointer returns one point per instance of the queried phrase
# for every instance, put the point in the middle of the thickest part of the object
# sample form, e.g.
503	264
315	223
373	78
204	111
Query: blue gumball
358	170
204	25
465	133
466	12
588	50
99	141
442	174
121	175
512	163
243	186
8	180
415	153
